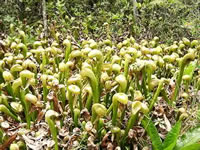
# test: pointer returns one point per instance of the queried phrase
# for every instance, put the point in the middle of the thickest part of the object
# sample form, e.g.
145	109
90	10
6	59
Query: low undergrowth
62	93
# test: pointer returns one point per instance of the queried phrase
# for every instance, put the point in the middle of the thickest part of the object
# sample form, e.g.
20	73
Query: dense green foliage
168	19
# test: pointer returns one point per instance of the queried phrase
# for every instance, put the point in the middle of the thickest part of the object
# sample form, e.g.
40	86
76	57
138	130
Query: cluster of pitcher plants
95	94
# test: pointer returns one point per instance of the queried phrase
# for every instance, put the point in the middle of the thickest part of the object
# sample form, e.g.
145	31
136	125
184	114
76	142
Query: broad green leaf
172	136
189	138
195	146
153	133
189	70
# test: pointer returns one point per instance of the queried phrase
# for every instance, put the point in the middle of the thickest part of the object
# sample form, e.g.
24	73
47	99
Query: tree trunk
135	9
44	17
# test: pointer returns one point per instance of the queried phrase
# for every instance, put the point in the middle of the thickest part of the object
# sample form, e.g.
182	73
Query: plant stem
164	94
71	107
76	116
178	83
130	124
63	96
89	102
155	96
4	109
53	132
115	109
26	108
10	90
67	50
86	72
144	82
45	93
